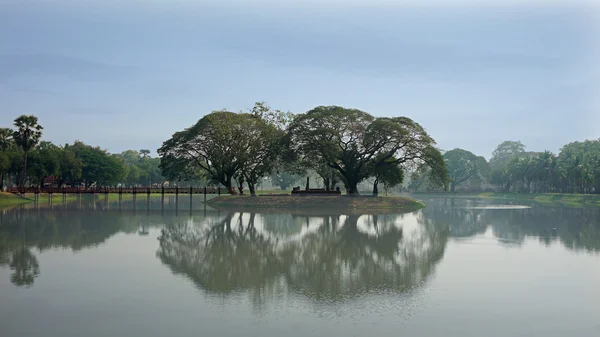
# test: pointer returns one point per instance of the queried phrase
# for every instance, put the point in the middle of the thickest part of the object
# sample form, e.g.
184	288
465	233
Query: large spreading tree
463	165
225	146
353	142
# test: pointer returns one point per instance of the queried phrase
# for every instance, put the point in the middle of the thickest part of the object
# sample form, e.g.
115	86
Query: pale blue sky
127	74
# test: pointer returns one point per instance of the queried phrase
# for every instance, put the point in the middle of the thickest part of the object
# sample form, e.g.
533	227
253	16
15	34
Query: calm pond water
456	268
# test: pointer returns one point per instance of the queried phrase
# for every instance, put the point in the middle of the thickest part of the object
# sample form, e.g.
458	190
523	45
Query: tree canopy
463	165
353	142
26	159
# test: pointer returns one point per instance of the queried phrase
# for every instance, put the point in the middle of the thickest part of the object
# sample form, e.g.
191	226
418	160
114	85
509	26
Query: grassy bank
316	202
9	199
548	198
574	200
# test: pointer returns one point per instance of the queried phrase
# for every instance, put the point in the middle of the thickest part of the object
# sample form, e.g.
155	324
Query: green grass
9	199
317	202
572	200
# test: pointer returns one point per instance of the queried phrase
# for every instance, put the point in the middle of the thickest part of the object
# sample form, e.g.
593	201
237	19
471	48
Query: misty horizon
122	77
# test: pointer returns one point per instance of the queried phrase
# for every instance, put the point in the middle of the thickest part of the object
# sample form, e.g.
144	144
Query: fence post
205	194
191	194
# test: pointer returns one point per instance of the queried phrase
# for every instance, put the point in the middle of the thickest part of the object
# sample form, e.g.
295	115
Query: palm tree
5	138
6	142
26	136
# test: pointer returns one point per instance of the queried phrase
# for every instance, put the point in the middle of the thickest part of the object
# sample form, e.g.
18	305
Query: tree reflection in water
574	228
25	231
344	258
323	257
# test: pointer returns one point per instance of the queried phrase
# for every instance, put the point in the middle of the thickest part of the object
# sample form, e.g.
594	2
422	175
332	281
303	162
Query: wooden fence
117	190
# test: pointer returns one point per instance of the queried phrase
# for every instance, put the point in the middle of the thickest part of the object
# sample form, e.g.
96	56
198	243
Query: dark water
456	268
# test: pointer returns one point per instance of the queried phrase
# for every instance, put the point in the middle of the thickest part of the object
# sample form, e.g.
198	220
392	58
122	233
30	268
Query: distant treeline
334	145
26	160
576	169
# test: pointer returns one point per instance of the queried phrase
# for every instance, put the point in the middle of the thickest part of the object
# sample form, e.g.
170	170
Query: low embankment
317	202
9	199
575	200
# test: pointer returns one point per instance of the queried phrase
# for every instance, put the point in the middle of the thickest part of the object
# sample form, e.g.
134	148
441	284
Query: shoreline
575	200
317	202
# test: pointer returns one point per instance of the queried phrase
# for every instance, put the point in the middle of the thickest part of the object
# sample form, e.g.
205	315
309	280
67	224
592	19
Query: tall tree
389	173
6	142
6	138
507	150
265	143
503	153
70	167
463	165
144	153
353	142
216	144
27	136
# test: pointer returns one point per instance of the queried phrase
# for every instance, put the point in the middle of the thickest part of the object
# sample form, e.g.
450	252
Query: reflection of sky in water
450	269
507	207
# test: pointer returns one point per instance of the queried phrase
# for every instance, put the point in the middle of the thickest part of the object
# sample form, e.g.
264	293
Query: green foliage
29	160
225	146
6	139
98	166
28	132
284	180
353	142
70	166
215	144
45	162
389	173
26	136
505	151
464	165
576	169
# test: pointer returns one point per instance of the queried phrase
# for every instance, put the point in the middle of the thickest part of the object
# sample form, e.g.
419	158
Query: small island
340	202
316	198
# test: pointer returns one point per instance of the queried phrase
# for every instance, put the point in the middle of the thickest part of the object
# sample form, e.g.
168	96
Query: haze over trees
342	147
576	169
463	165
340	144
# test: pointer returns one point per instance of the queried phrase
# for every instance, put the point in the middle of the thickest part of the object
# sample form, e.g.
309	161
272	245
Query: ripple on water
500	207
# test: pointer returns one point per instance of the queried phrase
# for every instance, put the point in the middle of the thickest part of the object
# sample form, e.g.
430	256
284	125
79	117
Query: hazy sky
127	74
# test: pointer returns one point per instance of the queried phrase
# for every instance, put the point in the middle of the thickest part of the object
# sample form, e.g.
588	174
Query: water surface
456	268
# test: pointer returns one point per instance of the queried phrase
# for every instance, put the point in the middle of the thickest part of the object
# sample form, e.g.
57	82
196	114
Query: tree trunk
24	171
2	181
375	189
452	187
252	189
229	186
333	181
353	187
